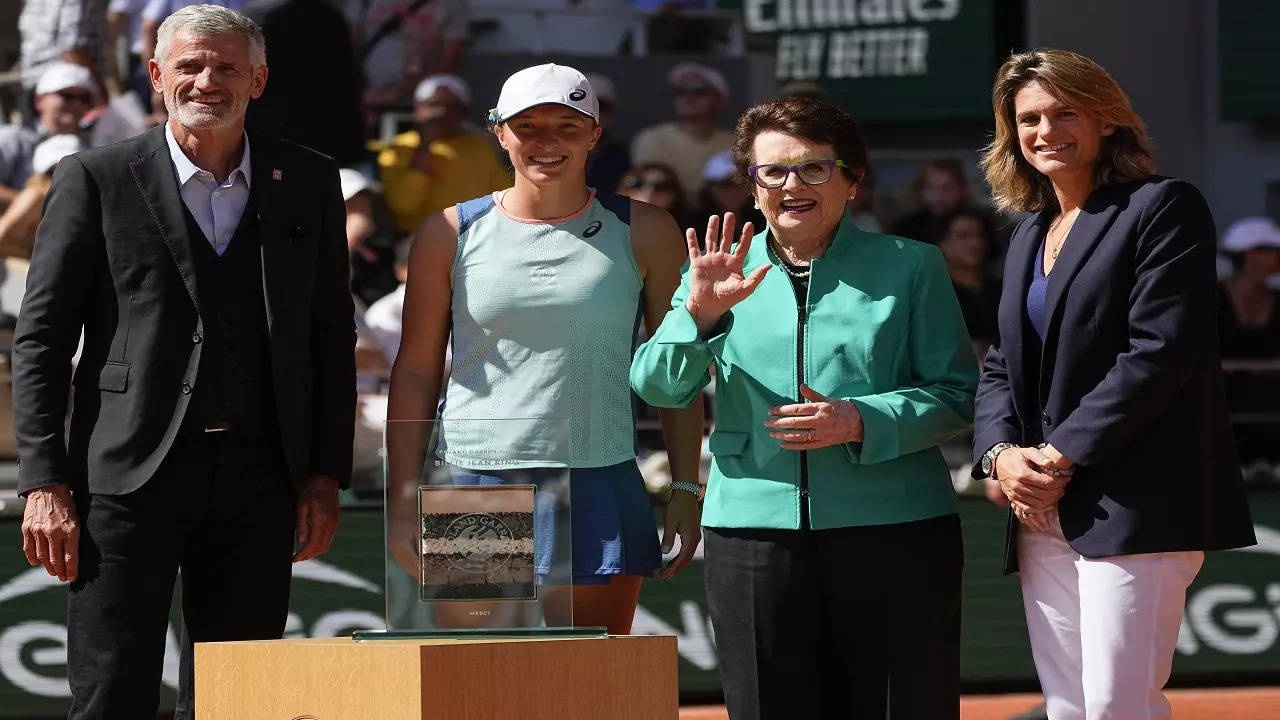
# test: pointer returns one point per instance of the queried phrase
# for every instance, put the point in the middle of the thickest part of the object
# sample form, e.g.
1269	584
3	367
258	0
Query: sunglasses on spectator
695	91
655	185
810	172
81	96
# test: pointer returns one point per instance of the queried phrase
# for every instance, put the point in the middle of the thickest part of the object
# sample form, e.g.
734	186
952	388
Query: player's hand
683	519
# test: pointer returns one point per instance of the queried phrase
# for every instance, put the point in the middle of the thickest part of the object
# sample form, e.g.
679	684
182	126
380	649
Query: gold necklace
1053	251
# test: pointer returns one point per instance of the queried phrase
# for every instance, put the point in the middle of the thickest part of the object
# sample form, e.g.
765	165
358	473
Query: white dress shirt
217	207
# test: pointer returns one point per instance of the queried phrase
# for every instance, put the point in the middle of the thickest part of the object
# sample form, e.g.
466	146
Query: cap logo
577	95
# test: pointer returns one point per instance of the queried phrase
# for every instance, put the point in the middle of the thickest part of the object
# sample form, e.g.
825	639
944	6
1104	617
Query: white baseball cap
682	73
52	149
354	182
542	85
1249	233
720	167
453	83
63	75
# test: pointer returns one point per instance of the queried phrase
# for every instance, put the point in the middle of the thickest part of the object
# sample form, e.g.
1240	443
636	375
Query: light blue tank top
544	316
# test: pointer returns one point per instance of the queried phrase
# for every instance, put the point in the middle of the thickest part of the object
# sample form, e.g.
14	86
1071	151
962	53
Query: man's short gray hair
204	20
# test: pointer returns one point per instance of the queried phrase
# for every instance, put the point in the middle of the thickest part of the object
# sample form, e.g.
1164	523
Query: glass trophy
478	521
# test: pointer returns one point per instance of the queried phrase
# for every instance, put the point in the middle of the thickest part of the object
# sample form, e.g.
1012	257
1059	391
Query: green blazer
884	330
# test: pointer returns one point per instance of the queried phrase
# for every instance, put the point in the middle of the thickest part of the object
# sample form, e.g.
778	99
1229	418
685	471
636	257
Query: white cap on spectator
453	83
544	84
603	87
719	167
682	73
64	75
53	149
1250	233
355	182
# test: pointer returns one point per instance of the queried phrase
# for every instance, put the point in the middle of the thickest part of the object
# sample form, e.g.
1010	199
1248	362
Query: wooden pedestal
602	678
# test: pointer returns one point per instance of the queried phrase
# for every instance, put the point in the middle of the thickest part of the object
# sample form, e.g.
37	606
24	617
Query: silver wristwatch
989	458
695	489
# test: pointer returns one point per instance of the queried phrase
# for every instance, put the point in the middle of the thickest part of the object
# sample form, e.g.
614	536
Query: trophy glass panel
478	526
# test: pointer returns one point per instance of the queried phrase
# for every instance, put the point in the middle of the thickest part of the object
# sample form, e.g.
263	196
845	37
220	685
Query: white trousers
1102	630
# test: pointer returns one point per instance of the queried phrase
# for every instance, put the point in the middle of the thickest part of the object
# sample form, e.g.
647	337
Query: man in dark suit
214	398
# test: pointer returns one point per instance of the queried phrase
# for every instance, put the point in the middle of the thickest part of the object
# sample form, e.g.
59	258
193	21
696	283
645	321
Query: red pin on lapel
276	174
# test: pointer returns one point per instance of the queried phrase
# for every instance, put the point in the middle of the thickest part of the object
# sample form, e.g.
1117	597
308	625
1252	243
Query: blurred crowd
84	83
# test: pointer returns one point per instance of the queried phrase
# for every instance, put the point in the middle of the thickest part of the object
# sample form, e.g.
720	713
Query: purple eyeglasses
810	172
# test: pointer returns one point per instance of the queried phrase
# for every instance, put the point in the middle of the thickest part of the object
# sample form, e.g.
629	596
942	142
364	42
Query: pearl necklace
799	275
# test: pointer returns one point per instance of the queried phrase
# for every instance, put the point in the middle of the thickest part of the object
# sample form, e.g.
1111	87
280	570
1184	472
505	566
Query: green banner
1231	627
884	59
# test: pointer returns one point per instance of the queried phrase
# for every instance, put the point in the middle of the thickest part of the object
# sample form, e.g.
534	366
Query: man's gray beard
206	120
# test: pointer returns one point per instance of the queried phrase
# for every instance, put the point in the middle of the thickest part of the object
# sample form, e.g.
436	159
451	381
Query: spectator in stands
369	238
19	221
384	316
657	185
965	239
400	42
1248	308
942	189
862	206
722	191
155	11
64	94
124	27
688	142
611	158
309	52
71	31
442	161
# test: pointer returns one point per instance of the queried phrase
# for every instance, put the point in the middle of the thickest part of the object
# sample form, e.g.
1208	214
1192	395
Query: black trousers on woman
859	622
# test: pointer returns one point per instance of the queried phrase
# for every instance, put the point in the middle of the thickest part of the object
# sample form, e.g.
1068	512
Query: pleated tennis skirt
612	525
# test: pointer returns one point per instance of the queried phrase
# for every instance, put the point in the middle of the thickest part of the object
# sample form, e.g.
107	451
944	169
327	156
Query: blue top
1036	294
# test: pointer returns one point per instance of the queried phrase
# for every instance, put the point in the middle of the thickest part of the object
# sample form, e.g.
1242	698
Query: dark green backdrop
1230	635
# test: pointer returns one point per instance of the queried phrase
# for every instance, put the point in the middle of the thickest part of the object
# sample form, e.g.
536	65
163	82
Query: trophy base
473	633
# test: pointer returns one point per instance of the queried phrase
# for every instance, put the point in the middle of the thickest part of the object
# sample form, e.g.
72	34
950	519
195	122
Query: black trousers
851	623
220	510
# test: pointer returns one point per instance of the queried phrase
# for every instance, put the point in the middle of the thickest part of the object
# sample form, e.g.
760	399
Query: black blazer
112	257
1130	380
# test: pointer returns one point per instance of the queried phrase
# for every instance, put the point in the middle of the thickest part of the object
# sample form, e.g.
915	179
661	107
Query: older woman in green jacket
833	550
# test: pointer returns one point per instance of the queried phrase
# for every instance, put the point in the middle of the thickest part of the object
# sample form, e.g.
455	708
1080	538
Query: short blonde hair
1083	84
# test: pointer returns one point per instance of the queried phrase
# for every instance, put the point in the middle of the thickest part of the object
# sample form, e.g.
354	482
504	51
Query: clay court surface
1215	704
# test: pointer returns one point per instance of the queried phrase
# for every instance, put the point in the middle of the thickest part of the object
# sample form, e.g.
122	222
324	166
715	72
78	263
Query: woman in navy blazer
1101	411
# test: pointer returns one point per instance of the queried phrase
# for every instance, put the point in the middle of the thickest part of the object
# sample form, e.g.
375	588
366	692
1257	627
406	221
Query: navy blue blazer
1128	383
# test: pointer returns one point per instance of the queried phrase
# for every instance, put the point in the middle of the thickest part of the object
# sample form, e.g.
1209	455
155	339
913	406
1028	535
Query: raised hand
716	282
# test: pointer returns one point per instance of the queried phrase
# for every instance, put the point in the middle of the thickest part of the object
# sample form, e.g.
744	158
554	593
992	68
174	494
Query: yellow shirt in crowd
460	168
